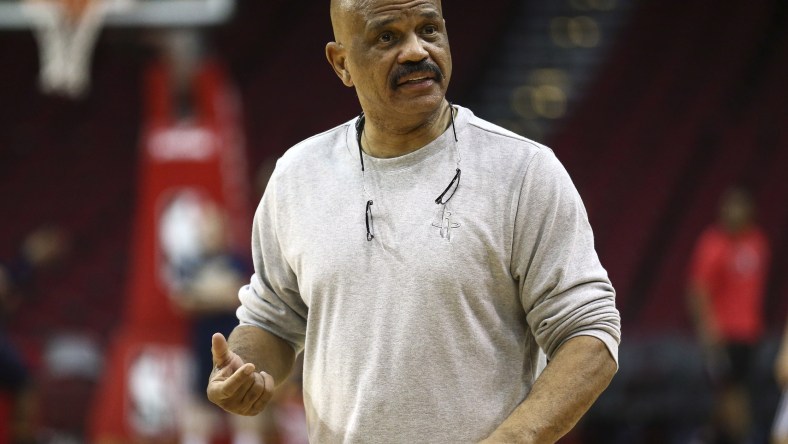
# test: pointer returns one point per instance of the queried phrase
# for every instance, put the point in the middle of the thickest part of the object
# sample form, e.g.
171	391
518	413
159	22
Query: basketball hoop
66	31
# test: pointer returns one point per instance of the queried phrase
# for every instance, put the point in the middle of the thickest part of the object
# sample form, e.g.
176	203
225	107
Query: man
780	426
727	280
421	319
42	249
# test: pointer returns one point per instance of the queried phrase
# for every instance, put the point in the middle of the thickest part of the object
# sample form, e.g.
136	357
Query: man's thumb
219	350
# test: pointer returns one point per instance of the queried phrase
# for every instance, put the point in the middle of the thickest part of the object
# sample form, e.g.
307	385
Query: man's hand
580	370
234	385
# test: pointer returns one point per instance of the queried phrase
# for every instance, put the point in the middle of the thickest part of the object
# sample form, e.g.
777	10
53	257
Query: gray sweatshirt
431	331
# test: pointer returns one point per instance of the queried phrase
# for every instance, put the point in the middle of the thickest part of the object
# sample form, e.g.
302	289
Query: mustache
409	68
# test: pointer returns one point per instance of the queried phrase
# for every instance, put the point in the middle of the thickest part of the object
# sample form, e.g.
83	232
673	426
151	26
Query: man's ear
335	53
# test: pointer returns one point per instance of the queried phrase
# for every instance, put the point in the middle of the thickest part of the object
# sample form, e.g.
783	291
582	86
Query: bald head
343	11
341	14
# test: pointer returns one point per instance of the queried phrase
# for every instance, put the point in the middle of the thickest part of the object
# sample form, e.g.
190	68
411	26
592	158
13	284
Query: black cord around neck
453	185
360	130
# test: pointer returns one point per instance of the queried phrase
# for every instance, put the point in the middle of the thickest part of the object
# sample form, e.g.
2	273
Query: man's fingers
237	381
255	391
258	395
234	385
270	385
244	392
220	350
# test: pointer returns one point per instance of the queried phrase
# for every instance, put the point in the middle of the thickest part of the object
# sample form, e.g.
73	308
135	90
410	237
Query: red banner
189	167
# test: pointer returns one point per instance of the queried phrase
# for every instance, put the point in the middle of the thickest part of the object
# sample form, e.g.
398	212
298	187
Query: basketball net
66	31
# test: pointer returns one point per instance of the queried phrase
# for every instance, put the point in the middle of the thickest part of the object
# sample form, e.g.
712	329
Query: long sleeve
271	300
563	287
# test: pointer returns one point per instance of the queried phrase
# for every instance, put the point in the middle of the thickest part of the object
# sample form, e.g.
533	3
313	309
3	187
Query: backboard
67	30
143	13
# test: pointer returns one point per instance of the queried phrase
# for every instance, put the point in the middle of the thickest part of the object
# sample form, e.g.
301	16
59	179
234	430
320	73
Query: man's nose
412	49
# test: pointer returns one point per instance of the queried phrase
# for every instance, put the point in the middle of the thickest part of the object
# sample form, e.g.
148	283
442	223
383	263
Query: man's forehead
367	8
353	16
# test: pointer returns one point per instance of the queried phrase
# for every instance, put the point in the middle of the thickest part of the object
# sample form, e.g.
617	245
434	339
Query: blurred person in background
726	292
780	427
204	286
41	249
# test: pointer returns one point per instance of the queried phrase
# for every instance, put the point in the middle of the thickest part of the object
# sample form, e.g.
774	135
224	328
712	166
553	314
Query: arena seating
692	100
689	103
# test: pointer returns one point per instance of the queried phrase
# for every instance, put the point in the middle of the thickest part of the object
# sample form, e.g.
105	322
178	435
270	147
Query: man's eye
386	37
430	29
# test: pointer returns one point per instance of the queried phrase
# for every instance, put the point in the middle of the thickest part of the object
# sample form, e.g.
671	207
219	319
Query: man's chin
418	103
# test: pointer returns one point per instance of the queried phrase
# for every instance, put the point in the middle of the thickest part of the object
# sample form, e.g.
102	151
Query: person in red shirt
726	289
